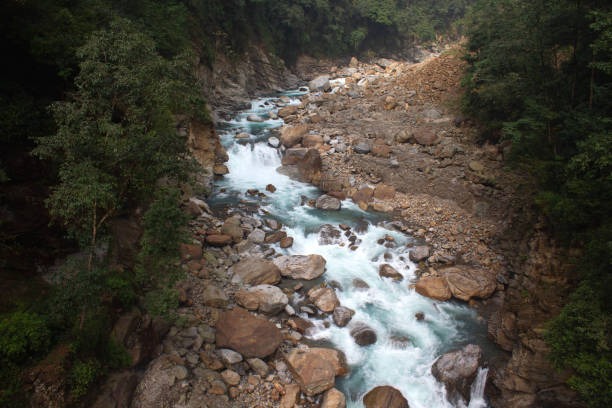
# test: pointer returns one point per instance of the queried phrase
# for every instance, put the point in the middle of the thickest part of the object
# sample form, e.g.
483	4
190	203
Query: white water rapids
406	348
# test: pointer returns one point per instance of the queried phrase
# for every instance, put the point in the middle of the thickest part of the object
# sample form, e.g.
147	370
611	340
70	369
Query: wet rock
267	299
249	335
333	398
274	142
360	284
342	316
299	324
271	188
220	170
286	242
242	135
329	235
385	397
257	236
433	287
399	342
294	155
387	271
466	283
315	369
255	118
219	240
420	316
362	197
324	298
328	203
305	267
310	166
320	83
457	370
273	224
363	334
214	297
419	253
275	237
288	111
255	271
292	135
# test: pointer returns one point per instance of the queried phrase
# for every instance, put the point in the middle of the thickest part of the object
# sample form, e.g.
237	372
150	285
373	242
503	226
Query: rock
289	400
242	135
315	369
362	147
354	63
255	118
259	366
381	150
230	377
360	284
419	253
190	251
363	334
305	267
231	227
404	136
324	298
257	236
154	388
267	299
457	370
329	235
249	335
426	137
255	271
273	224
117	390
271	188
385	397
342	316
466	283
384	192
229	357
219	240
420	316
288	111
292	135
333	399
310	166
432	114
320	83
362	197
433	287
274	142
286	242
294	155
220	170
328	203
214	297
275	237
387	271
476	166
384	62
312	140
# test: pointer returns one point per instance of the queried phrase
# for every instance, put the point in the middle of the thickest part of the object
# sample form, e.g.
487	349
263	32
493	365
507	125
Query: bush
23	334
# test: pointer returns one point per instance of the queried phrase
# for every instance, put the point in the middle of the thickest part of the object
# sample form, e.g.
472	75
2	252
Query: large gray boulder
457	370
320	83
305	267
267	299
255	271
328	203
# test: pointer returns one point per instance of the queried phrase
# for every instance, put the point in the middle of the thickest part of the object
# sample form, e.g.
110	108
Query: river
406	347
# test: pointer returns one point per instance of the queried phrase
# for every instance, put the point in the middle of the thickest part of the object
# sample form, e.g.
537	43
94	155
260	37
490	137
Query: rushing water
406	348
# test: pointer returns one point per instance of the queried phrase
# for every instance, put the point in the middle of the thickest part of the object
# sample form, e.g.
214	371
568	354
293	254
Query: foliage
82	376
22	334
540	77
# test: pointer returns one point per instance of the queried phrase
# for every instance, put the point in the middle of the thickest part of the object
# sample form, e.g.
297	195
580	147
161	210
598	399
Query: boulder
305	267
419	253
404	136
274	237
292	392
220	170
381	150
214	297
232	227
274	142
255	118
250	336
362	197
255	271
292	135
257	236
329	235
286	242
363	334
242	135
342	315
117	390
433	287
310	166
294	155
265	298
466	283
288	111
333	398
219	240
312	140
328	203
457	370
320	84
315	369
387	271
385	397
384	192
154	388
324	298
426	137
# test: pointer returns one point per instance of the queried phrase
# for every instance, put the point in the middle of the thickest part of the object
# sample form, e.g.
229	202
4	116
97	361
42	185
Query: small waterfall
477	390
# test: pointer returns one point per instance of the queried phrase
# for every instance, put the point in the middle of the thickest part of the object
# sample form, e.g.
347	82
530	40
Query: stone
190	251
466	282
419	253
117	390
360	284
286	242
274	142
384	192
294	155
433	287
320	84
289	400
154	388
275	237
255	271
255	118
363	334
220	170
267	299
249	335
299	324
273	224
328	203
457	370
333	398
257	236
271	188
214	297
385	397
229	357
342	316
426	137
312	140
381	150
404	136
242	135
329	235
387	271
292	135
230	377
362	147
288	111
219	240
305	267
476	166
259	366
324	298
232	227
363	196
310	166
315	368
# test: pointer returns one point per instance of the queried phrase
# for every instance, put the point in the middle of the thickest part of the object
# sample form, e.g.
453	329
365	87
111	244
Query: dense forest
540	76
91	98
92	93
